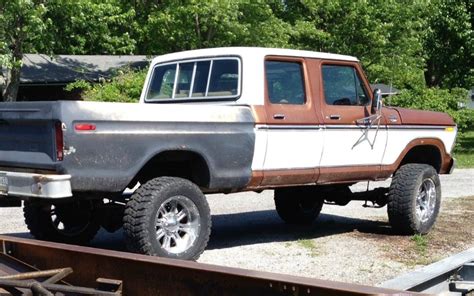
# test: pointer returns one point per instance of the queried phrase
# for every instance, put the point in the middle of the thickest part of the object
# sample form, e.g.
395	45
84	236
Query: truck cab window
200	79
342	86
214	78
183	84
224	78
162	83
285	82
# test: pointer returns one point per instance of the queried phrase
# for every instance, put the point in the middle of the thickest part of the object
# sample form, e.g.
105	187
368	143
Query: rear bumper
16	184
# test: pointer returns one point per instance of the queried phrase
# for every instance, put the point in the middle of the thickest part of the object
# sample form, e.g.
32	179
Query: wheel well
426	154
185	164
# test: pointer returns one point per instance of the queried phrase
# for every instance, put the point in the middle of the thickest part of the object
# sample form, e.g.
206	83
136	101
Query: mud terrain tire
414	199
71	223
168	217
298	205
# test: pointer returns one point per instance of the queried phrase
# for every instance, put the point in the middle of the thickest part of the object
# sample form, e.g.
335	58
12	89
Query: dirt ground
348	244
452	233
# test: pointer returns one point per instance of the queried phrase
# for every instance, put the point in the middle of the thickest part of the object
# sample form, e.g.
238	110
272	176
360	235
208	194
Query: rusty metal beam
146	275
45	289
63	272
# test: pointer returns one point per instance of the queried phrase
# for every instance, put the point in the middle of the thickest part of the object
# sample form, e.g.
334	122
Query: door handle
279	116
335	116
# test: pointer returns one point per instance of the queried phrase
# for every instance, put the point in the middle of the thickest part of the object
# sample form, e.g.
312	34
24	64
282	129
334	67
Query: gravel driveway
247	233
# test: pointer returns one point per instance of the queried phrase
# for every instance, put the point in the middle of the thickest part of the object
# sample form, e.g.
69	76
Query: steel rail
147	275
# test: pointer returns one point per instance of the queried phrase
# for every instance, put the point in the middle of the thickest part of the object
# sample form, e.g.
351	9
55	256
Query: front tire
414	199
168	217
298	205
71	223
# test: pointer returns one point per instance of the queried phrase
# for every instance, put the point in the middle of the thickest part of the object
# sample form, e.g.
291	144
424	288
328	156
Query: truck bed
124	138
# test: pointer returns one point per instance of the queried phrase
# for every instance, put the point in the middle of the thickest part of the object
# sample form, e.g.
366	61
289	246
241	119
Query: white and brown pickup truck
221	120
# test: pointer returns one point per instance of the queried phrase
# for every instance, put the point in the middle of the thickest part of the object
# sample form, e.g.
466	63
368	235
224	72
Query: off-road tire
298	205
402	198
77	218
141	213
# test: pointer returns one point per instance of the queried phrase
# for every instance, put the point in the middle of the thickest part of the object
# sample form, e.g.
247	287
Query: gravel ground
247	233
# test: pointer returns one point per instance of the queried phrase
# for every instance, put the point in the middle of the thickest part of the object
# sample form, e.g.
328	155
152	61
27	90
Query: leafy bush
125	86
452	101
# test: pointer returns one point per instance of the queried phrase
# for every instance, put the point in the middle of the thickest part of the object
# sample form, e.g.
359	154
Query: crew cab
222	120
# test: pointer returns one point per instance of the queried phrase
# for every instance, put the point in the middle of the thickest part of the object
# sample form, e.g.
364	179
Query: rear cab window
199	79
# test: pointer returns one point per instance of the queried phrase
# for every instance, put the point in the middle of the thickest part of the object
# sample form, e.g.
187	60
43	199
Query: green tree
190	24
406	43
90	27
387	36
449	44
22	25
60	27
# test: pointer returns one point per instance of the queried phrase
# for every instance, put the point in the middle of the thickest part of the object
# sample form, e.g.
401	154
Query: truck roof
249	51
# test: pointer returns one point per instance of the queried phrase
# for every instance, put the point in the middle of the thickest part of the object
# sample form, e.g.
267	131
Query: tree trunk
12	84
13	74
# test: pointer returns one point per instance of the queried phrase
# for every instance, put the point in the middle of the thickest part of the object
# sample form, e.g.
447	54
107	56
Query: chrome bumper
35	185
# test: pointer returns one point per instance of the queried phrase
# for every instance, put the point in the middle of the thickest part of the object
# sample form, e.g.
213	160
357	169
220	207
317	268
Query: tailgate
28	135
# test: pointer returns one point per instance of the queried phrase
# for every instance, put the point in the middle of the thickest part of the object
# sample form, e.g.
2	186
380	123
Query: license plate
3	184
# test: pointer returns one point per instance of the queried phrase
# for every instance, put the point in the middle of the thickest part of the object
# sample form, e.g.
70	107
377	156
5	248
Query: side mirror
376	101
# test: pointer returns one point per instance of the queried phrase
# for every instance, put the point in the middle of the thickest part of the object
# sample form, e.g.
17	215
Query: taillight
84	127
59	141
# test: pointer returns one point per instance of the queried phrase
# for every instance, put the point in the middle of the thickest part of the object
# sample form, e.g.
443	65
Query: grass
309	245
421	243
464	151
420	250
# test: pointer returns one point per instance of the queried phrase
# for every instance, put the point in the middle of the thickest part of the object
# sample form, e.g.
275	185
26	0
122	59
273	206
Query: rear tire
298	205
414	199
168	217
71	223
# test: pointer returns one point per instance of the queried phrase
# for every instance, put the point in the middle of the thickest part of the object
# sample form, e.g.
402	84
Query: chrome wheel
177	224
426	200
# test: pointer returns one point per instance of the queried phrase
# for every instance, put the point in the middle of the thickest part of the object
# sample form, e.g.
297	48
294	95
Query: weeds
421	244
309	245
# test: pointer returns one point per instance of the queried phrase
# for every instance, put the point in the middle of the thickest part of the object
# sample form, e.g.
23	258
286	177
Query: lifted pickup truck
220	120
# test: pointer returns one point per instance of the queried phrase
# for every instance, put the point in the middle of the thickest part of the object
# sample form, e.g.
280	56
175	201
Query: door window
343	86
285	82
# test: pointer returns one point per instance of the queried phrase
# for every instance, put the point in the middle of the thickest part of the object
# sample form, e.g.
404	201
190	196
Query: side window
162	82
285	82
183	84
342	86
200	79
224	78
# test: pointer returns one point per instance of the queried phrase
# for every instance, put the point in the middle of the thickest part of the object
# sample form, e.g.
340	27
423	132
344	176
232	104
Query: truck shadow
249	228
239	229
